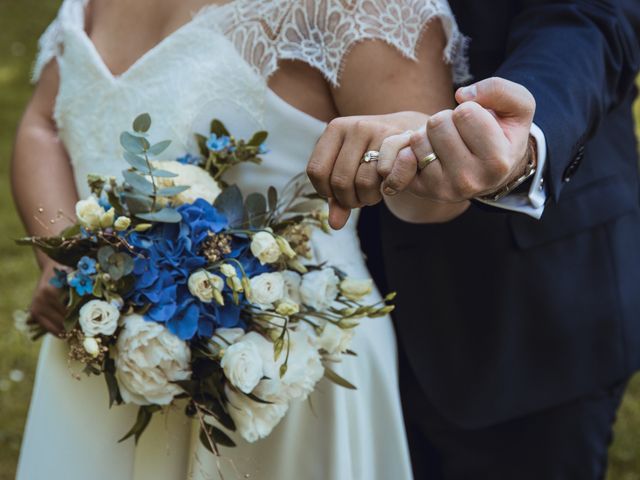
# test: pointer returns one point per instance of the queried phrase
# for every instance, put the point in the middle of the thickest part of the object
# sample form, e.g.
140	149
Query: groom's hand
481	146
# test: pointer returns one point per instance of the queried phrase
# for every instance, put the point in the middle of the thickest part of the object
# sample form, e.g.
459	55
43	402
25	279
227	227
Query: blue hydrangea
189	159
87	266
82	284
217	144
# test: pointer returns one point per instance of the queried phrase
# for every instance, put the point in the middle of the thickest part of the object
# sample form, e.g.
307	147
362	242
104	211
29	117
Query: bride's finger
389	151
338	215
405	169
323	159
343	178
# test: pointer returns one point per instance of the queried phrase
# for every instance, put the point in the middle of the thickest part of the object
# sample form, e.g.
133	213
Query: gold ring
370	156
426	161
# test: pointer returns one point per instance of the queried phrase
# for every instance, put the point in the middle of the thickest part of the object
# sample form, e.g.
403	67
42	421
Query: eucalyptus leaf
272	197
137	203
308	206
202	144
104	253
173	191
258	139
133	144
138	182
229	203
159	147
136	161
337	379
219	128
163	173
256	208
71	231
166	215
142	123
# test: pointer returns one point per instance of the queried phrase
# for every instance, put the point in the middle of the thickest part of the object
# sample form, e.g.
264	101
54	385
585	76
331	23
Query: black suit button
573	166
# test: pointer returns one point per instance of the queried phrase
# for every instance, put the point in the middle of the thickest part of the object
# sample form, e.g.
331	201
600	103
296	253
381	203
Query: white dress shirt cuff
531	203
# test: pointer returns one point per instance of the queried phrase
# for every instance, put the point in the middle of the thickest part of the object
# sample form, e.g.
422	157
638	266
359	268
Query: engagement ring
370	156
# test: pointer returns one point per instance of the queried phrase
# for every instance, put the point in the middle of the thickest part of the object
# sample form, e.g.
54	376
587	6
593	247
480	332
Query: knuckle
367	182
337	124
315	172
439	119
464	112
340	183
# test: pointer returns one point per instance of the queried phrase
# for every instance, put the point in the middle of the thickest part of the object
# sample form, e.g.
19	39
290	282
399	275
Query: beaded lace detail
317	32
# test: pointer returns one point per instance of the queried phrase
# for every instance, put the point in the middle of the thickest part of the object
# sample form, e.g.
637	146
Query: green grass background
21	23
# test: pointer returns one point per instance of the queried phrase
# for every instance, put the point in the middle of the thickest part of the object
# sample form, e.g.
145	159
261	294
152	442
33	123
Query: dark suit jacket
499	314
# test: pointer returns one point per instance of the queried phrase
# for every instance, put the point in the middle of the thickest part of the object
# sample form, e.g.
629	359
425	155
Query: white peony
148	359
203	285
98	318
265	247
292	281
89	213
319	288
243	362
334	339
91	346
254	420
266	289
201	184
356	289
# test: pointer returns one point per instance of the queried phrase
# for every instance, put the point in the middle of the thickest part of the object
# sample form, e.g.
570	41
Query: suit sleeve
579	59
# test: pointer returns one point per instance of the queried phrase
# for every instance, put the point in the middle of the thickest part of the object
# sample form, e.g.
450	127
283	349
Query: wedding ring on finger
426	161
370	156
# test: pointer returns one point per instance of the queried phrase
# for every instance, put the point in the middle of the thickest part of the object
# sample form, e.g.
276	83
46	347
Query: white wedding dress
217	65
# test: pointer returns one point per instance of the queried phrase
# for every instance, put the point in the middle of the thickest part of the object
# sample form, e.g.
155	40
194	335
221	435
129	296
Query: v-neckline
204	10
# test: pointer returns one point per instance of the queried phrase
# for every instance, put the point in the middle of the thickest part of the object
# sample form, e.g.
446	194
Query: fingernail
389	191
469	93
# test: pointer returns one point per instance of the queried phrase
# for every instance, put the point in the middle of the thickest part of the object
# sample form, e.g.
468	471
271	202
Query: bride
287	66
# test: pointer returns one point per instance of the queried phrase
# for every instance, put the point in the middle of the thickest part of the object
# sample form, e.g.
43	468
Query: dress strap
322	32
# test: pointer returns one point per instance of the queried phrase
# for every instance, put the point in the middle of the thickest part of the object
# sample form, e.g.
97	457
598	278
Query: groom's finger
506	98
479	130
338	215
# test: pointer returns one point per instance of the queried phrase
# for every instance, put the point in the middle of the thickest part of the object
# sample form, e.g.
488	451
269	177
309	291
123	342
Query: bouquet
180	291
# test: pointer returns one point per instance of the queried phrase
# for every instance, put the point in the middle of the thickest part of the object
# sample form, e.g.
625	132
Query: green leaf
120	265
166	215
217	436
109	369
137	203
142	422
138	182
136	161
272	197
337	379
218	128
163	173
71	231
133	144
308	206
256	208
159	147
201	140
258	139
229	203
104	253
258	399
172	191
73	310
142	123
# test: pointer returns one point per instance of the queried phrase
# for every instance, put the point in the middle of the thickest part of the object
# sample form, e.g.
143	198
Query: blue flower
87	266
217	144
189	159
60	278
82	284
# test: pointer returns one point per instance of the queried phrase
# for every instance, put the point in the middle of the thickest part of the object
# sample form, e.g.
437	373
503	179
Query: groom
519	323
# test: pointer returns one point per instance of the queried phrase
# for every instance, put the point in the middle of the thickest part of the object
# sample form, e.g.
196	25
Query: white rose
148	360
266	289
91	346
122	223
265	248
202	185
319	288
292	281
203	285
98	318
89	213
243	361
334	339
254	420
356	289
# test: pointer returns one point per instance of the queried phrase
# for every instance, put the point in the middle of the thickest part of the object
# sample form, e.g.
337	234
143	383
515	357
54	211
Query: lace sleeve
321	32
71	13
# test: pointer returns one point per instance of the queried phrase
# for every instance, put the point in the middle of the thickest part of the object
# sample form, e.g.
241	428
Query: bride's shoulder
321	32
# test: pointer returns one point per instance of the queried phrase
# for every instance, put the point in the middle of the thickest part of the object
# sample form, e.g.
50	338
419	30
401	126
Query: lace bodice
317	32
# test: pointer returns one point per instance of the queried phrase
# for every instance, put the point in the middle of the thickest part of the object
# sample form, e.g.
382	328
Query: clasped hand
481	145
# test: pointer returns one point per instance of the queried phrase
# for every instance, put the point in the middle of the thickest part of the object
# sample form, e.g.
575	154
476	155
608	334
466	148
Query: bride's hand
47	309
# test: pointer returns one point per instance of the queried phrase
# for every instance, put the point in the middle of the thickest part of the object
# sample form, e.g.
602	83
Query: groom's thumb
505	98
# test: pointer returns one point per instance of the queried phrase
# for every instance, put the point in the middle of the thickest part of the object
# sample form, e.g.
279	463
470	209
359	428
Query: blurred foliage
21	23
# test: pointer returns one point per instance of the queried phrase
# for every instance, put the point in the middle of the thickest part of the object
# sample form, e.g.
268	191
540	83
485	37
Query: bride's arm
376	81
43	186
